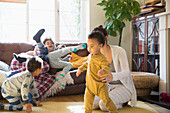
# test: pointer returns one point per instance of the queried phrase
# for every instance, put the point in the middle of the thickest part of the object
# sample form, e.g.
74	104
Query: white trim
164	29
57	30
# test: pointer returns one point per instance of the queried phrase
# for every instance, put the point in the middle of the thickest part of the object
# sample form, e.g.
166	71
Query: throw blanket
57	86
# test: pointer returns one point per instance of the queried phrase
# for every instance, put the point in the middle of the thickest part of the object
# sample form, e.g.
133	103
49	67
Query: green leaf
119	15
129	17
117	12
111	32
102	3
136	8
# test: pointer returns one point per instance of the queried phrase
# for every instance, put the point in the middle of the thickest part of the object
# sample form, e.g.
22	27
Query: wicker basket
144	82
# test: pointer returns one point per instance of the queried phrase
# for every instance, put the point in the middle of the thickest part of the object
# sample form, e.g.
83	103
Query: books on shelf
141	64
152	2
154	44
141	46
149	9
151	63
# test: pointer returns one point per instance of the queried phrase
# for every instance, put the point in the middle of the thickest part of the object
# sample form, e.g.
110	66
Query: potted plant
116	13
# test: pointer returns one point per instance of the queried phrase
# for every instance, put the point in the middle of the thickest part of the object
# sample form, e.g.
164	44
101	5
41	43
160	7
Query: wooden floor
80	98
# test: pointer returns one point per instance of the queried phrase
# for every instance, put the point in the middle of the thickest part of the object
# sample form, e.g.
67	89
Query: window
63	20
12	22
71	19
41	14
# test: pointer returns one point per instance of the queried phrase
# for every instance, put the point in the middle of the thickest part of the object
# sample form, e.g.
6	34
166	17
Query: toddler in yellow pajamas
96	66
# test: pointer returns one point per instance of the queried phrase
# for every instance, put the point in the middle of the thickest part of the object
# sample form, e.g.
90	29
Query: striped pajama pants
119	94
15	103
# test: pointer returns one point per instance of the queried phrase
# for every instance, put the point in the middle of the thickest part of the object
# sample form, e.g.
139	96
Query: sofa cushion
80	79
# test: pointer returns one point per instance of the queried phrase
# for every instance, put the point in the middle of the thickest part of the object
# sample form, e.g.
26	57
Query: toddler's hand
38	103
36	51
70	57
28	107
78	73
100	73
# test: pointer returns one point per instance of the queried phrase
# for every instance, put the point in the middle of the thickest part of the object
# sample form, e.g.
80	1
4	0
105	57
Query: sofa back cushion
7	50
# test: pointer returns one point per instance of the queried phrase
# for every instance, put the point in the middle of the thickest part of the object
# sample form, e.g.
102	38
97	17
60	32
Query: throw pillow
4	66
77	61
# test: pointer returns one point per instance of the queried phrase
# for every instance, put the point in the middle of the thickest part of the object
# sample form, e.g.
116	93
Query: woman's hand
106	79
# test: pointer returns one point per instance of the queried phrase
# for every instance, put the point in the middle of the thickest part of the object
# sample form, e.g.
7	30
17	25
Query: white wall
96	14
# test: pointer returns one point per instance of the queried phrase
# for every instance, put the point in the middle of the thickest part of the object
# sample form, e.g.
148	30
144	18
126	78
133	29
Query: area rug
78	107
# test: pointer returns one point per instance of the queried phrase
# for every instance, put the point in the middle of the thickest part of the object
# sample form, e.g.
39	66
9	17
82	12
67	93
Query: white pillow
4	66
2	77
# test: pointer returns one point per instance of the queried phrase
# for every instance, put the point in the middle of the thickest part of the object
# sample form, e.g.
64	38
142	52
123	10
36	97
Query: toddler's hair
101	29
34	63
97	35
46	39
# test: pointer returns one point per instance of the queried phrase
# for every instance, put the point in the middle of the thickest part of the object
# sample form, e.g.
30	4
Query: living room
94	17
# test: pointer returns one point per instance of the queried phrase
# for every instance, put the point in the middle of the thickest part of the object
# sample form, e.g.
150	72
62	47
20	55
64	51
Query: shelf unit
145	42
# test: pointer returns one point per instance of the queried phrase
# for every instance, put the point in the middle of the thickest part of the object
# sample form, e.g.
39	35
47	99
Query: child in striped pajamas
19	85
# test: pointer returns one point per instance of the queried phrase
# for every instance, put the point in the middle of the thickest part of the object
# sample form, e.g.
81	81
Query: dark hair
46	39
101	29
33	64
97	35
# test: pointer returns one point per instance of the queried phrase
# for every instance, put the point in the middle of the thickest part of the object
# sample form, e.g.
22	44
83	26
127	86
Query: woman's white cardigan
122	71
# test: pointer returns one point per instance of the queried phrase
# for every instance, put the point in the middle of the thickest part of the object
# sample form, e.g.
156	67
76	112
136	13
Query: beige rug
78	107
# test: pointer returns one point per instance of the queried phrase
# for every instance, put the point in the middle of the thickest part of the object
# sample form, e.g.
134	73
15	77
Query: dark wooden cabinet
145	43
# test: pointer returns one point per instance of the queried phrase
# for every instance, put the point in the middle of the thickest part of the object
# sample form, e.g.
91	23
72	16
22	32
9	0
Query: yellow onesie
94	86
